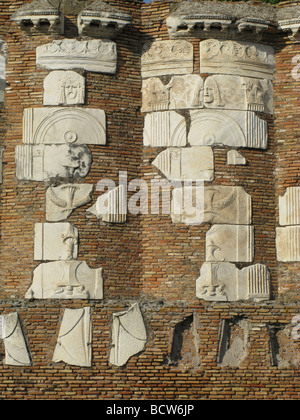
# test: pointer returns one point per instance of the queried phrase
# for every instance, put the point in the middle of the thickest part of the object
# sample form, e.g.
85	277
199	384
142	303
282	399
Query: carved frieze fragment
44	162
64	126
192	163
62	200
165	128
288	243
74	342
129	335
230	243
227	128
161	58
66	280
16	351
111	207
99	56
64	88
222	205
55	241
237	58
289	207
223	281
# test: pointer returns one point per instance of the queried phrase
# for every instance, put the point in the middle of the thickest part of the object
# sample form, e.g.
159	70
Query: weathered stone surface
228	128
16	351
64	88
289	207
237	58
1	163
222	205
111	207
234	157
289	21
99	56
288	243
166	128
64	126
74	343
166	58
230	243
62	200
66	280
55	241
129	335
223	281
102	20
193	163
43	162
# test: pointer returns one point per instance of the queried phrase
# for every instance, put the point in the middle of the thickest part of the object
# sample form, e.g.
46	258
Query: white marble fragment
66	280
222	205
166	58
227	128
129	335
192	163
289	207
165	128
231	243
43	162
64	126
55	241
224	282
111	207
94	55
64	88
74	343
288	243
234	157
237	58
16	351
62	200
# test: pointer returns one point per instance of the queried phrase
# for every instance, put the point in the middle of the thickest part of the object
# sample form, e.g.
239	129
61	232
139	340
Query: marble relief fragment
234	157
16	351
129	335
64	88
165	128
289	207
111	207
288	243
74	343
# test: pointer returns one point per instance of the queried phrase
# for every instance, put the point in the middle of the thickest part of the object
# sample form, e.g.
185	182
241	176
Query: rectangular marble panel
64	88
289	207
288	243
165	128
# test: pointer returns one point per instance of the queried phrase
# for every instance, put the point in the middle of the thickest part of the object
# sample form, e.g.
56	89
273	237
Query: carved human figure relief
111	207
62	200
66	280
64	88
16	351
166	128
74	342
55	241
64	126
224	282
129	335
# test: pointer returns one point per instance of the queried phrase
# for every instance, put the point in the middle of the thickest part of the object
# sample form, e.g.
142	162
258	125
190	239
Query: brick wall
148	260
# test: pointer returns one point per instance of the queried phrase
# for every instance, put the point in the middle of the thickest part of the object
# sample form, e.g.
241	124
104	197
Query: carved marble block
237	58
234	157
288	243
16	351
111	207
64	88
166	128
289	207
64	126
129	335
227	128
222	205
192	163
66	280
230	243
62	200
223	281
55	241
161	58
99	56
43	162
74	342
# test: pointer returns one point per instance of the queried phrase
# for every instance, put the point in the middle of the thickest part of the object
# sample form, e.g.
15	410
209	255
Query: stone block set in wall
207	87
